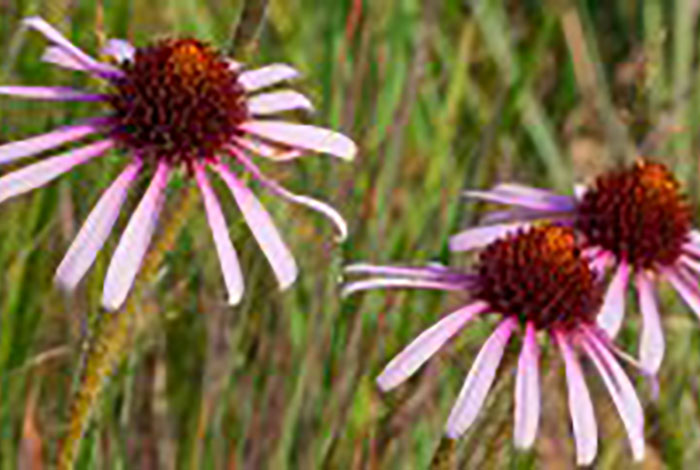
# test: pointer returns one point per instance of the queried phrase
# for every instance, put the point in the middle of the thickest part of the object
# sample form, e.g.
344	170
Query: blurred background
440	96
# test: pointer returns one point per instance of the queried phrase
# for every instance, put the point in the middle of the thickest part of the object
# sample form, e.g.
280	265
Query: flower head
174	104
634	221
539	282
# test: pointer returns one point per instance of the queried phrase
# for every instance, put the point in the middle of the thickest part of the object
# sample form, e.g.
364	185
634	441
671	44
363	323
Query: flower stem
112	335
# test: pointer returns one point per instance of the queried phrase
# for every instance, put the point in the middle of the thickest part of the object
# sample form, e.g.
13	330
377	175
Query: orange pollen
638	214
539	275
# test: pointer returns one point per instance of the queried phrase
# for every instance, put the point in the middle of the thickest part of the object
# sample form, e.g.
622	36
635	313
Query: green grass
440	96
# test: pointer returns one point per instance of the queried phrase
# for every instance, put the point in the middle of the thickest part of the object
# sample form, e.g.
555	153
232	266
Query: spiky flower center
539	275
638	214
179	99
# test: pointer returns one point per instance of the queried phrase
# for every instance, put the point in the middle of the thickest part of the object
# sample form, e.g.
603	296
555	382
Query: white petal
263	228
277	102
481	375
120	49
266	76
402	283
228	259
95	230
407	362
133	244
302	136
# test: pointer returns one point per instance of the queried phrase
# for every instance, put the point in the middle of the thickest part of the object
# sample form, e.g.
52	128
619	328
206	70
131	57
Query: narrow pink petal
694	236
431	272
600	261
277	102
530	192
55	93
95	230
120	49
691	249
682	282
266	76
54	36
691	263
316	139
476	386
263	228
527	391
133	244
402	283
481	236
651	346
58	56
522	199
621	391
228	259
267	151
425	345
38	174
25	148
580	406
279	190
613	310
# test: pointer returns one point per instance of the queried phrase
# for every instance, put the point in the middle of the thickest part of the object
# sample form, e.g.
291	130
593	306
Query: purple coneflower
173	104
634	221
538	281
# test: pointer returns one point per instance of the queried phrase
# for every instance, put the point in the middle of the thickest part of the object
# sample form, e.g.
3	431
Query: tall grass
440	95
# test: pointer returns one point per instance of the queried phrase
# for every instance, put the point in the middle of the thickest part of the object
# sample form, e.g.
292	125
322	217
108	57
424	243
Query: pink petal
600	262
527	391
476	387
580	191
613	310
478	237
580	406
38	174
651	347
277	102
133	244
58	56
523	199
402	283
691	263
13	151
621	391
691	250
120	49
95	230
266	76
681	281
267	151
284	193
316	139
53	35
228	259
432	272
694	236
407	362
263	228
50	93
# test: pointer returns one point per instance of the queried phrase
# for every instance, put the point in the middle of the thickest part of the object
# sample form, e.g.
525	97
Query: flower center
539	275
178	99
638	214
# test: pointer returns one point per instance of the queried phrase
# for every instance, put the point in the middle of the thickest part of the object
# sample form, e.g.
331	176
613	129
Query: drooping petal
284	193
13	151
95	230
38	174
268	151
681	281
58	56
552	203
580	406
613	310
651	346
534	193
263	228
402	283
407	362
228	259
120	49
476	386
54	36
316	139
277	102
621	391
478	237
527	391
133	244
50	93
266	76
